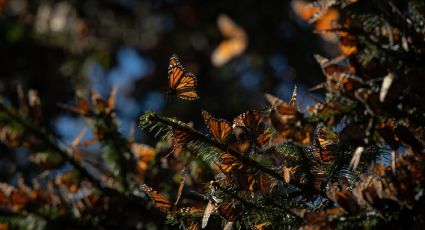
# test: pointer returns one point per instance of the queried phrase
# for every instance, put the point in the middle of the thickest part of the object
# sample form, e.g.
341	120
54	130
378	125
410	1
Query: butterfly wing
175	71
233	46
186	87
326	141
251	120
219	128
282	113
228	163
161	202
181	83
254	126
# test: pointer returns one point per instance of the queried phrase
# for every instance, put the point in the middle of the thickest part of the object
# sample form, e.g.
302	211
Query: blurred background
237	50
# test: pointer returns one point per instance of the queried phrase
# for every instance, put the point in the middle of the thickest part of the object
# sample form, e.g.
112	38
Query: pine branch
245	203
150	118
287	211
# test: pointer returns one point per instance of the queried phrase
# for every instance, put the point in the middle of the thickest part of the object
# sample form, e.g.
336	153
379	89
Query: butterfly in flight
181	83
235	43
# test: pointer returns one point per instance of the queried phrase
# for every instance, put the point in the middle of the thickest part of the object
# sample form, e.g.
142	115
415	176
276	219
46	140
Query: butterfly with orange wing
219	128
222	131
327	141
283	114
235	43
251	128
162	203
181	83
165	205
339	77
320	14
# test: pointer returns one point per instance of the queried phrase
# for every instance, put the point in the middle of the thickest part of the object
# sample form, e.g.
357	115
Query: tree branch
203	138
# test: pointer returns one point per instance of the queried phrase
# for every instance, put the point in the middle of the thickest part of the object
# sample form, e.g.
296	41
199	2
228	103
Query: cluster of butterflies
249	127
248	133
62	194
249	130
166	206
325	21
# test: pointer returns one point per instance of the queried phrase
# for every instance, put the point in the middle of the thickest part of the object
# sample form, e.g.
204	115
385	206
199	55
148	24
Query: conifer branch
151	117
288	211
236	197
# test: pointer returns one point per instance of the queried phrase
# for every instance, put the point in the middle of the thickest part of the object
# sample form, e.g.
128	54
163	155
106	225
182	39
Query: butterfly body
181	83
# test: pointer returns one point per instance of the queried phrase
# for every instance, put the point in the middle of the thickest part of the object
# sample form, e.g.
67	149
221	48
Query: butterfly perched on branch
283	114
162	203
228	163
339	77
165	205
181	83
250	128
219	128
326	140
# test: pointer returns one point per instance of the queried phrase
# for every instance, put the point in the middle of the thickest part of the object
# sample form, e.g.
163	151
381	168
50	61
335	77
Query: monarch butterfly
165	205
339	77
236	172
161	202
246	181
250	120
181	83
144	154
265	183
283	114
326	140
319	14
334	66
343	82
234	45
219	128
253	126
348	43
180	140
228	163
